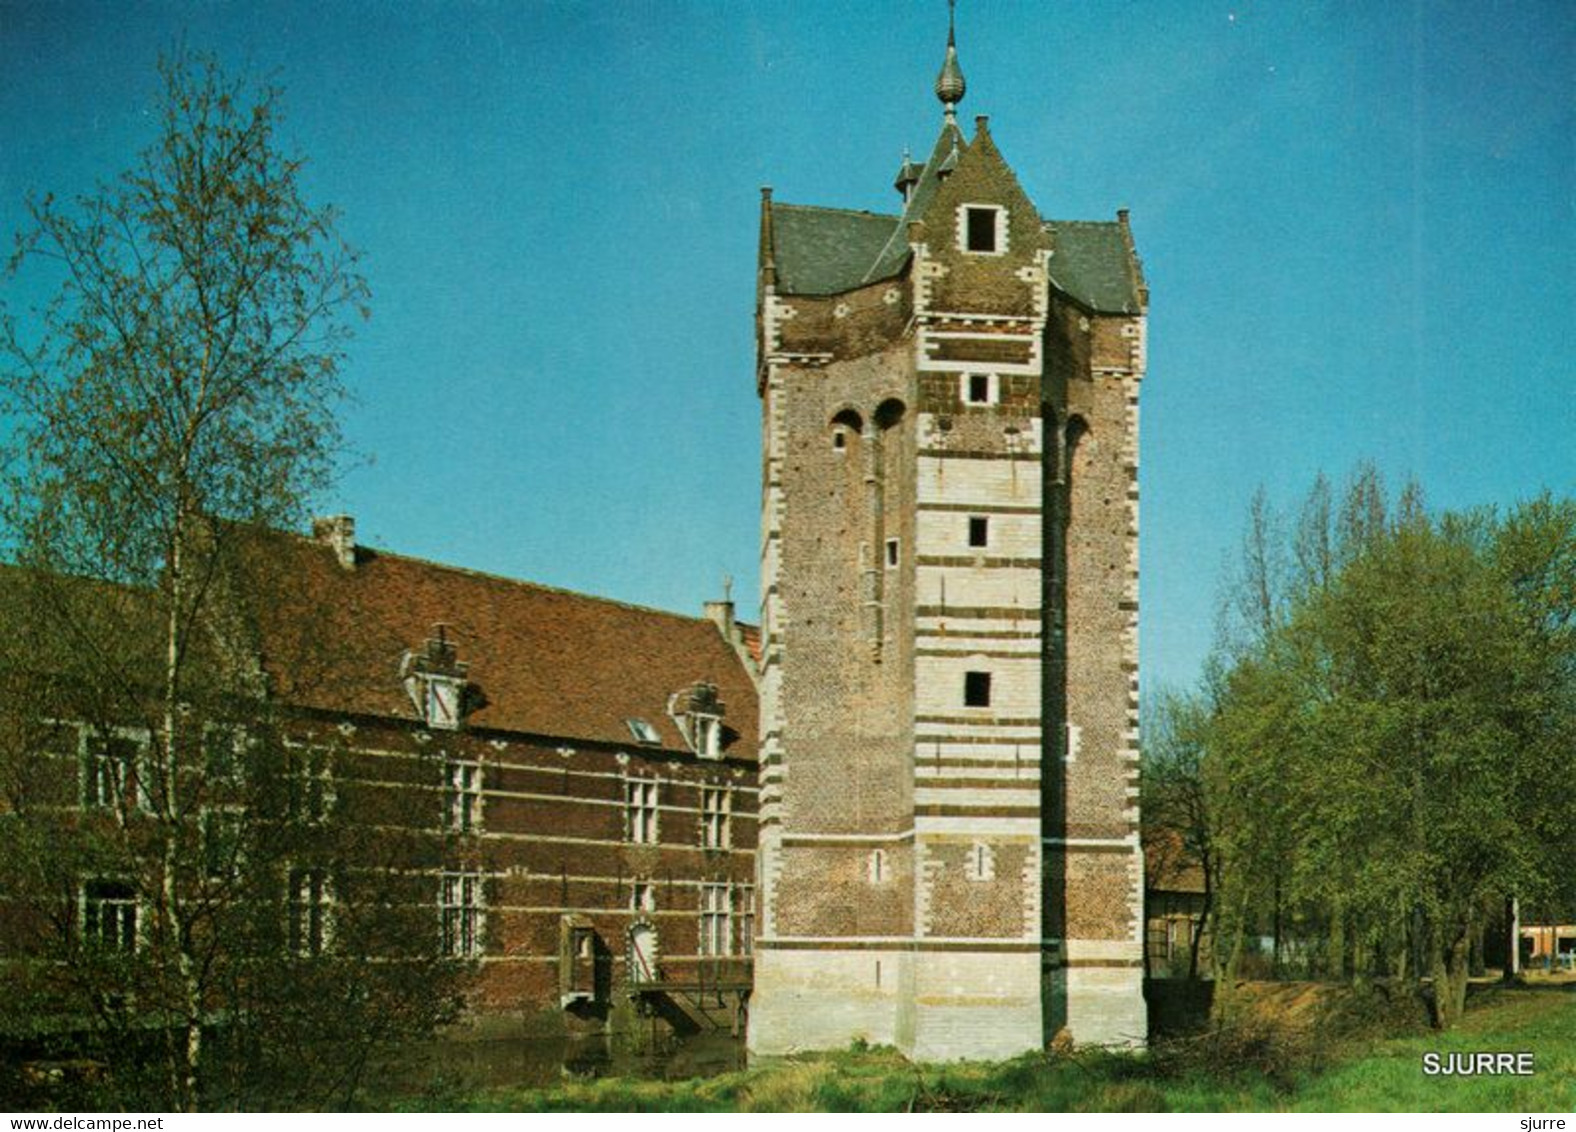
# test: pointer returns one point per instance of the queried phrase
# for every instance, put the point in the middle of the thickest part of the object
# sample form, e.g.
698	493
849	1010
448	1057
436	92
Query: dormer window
699	713
435	681
708	736
983	229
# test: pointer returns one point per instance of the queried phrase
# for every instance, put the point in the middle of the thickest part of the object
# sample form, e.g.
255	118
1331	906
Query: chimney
339	532
720	614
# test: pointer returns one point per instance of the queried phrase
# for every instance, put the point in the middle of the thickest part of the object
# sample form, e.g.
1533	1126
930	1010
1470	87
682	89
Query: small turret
907	177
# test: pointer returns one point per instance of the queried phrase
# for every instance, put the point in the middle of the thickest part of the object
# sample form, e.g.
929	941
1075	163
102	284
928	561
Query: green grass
1297	1074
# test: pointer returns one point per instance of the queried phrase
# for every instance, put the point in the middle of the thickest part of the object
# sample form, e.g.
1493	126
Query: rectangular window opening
979	530
976	689
460	914
464	797
640	796
715	810
891	552
716	927
109	915
311	903
979	388
981	229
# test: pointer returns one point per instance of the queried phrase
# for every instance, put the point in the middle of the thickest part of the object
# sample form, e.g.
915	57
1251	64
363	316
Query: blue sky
1357	221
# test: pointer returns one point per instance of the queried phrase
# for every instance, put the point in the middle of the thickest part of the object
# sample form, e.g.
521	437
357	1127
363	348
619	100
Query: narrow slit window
891	552
979	530
976	689
839	440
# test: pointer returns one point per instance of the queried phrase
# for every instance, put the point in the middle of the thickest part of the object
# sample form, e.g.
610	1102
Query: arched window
846	427
889	413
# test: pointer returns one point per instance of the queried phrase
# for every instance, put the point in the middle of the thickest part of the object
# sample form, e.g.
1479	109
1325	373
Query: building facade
562	791
594	760
949	858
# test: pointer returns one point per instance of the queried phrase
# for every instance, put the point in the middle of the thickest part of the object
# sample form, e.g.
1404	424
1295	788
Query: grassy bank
1245	1072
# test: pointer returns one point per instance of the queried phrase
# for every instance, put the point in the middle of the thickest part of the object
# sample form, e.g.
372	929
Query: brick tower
949	857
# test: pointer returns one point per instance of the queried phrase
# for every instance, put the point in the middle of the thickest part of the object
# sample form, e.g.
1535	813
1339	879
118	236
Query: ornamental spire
950	86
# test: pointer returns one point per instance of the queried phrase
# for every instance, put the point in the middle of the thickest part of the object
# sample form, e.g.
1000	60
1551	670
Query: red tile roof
547	661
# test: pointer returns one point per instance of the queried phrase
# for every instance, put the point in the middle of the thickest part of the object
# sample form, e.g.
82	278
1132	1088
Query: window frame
714	904
310	794
967	212
309	904
463	796
100	789
126	915
462	914
716	817
642	811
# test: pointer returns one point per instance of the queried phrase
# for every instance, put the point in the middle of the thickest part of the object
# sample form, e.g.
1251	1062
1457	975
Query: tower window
839	440
976	689
979	389
876	866
891	552
979	530
982	862
982	229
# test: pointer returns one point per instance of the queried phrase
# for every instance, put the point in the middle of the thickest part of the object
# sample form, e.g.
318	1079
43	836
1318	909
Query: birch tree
174	394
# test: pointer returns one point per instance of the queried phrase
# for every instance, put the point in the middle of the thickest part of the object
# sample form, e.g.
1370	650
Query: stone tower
949	857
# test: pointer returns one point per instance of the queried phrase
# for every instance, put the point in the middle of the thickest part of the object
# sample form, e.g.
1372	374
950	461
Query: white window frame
707	731
992	387
716	817
462	914
643	732
92	911
102	787
1000	240
642	811
642	897
716	921
309	898
463	797
310	783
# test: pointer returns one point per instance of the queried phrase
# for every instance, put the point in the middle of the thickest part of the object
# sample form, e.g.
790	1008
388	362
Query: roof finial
950	86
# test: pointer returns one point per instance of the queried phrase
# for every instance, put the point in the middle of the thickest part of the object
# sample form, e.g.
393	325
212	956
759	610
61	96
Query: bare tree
174	397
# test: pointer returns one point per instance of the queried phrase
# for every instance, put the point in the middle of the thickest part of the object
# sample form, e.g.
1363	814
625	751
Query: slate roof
1090	263
826	251
549	662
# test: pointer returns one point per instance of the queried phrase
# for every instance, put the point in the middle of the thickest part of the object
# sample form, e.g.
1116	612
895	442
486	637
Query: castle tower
949	857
